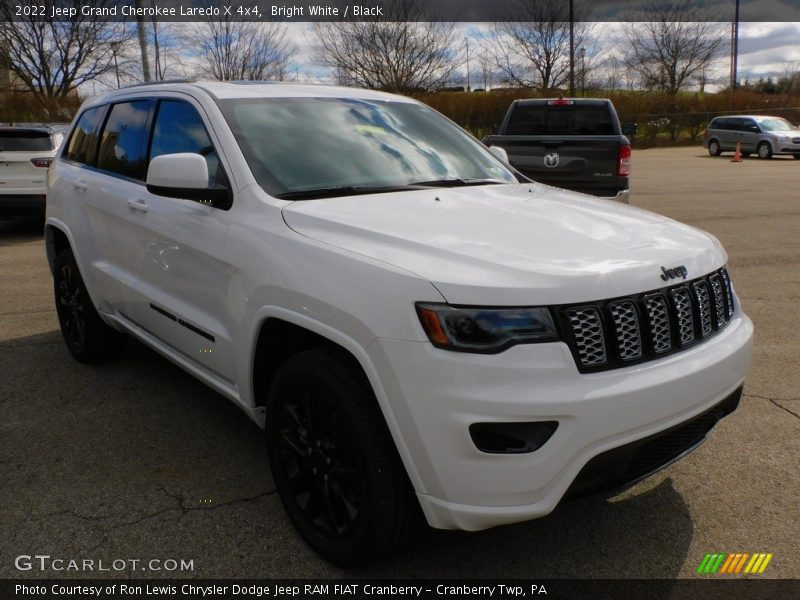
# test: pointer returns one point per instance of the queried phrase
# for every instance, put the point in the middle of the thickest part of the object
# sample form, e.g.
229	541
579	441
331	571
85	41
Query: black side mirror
629	129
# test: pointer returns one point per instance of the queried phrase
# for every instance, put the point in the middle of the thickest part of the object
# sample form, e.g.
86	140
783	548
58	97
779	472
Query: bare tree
231	50
404	53
51	59
676	43
531	45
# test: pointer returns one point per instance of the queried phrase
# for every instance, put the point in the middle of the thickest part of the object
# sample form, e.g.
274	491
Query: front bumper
436	395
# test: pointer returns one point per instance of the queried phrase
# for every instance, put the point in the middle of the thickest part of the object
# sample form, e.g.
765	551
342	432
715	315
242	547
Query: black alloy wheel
87	337
334	463
324	475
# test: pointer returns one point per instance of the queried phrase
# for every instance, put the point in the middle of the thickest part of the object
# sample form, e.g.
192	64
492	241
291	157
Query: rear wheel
764	150
334	463
796	156
714	148
87	337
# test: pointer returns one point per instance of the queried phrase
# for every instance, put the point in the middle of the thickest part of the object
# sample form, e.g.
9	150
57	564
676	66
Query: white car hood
511	244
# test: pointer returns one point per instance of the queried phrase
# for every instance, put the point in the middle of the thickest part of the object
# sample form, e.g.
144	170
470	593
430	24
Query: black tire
714	148
335	466
796	156
764	150
87	337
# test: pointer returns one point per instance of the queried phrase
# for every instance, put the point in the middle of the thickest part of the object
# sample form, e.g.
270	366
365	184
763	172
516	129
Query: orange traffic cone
737	156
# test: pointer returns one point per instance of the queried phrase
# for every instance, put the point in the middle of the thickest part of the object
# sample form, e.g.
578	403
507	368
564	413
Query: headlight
485	330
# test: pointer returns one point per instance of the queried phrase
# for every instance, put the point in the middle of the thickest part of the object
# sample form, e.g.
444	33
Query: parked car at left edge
26	152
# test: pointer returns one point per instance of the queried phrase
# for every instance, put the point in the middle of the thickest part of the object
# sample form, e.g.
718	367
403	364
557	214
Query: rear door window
83	141
25	141
122	144
543	119
734	125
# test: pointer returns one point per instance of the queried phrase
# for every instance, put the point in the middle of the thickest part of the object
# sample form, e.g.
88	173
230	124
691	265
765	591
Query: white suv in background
414	324
26	152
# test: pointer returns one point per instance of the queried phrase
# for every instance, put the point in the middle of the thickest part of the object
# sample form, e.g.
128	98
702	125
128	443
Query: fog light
511	438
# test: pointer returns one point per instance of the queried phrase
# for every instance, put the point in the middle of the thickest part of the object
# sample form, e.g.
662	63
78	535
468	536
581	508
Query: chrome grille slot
626	325
659	323
704	307
588	333
728	292
719	300
684	315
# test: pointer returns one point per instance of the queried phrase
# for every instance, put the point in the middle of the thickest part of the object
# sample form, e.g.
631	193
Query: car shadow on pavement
138	459
14	230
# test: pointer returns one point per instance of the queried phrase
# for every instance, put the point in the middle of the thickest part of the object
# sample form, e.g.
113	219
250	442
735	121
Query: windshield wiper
345	190
458	182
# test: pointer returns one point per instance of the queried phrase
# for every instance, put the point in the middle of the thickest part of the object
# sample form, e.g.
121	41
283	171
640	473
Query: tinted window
545	119
179	128
122	148
749	125
717	124
734	125
25	141
83	143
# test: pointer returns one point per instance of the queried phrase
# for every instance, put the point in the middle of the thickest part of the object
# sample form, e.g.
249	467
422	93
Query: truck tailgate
582	163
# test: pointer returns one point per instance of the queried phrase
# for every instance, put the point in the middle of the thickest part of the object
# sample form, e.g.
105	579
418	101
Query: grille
659	323
704	307
588	335
626	326
683	309
610	334
719	300
728	294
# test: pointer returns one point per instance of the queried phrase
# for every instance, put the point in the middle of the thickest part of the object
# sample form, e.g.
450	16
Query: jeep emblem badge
674	272
551	160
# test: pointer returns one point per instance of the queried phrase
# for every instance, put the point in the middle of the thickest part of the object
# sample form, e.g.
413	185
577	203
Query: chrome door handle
138	204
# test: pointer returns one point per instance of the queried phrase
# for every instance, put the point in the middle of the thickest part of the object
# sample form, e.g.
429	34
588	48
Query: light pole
114	48
735	48
466	39
571	48
582	55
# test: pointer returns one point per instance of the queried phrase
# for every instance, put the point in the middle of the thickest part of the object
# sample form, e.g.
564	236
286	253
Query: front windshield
775	124
298	144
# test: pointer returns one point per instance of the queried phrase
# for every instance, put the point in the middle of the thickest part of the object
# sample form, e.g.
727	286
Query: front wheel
335	466
764	150
714	148
87	337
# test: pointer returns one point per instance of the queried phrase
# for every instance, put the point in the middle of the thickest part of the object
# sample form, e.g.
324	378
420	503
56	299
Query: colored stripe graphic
741	562
701	568
765	563
723	563
727	564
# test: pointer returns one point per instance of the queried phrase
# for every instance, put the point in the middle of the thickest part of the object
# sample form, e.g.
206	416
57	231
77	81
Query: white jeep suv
415	325
26	152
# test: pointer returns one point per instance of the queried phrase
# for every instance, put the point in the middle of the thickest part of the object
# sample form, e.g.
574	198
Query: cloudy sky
765	50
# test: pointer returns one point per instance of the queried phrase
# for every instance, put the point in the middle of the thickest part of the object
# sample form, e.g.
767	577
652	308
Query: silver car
757	134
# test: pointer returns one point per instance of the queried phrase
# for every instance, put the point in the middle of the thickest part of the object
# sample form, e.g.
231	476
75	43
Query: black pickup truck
577	144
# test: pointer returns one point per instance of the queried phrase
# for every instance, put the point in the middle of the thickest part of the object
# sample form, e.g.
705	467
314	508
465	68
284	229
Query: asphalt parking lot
137	460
